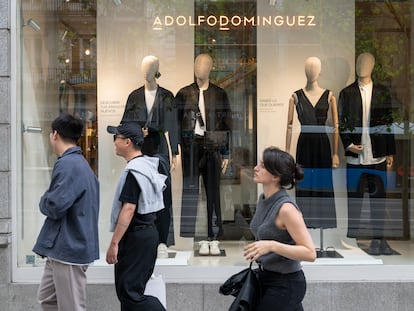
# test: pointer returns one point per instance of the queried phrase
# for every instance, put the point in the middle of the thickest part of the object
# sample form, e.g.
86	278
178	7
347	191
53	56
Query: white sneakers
162	251
204	248
209	248
214	248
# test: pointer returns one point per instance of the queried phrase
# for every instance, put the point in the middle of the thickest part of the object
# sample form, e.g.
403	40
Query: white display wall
125	35
324	29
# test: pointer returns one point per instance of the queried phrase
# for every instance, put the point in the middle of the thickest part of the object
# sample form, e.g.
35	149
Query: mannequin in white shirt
364	66
153	107
366	116
205	118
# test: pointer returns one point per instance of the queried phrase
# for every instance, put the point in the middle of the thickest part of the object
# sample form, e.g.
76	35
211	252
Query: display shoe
204	249
214	248
162	251
385	248
374	248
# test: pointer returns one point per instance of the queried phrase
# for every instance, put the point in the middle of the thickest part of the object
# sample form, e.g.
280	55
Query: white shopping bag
156	287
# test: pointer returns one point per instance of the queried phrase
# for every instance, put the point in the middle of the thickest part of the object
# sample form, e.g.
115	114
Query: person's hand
390	160
112	254
357	149
256	249
224	164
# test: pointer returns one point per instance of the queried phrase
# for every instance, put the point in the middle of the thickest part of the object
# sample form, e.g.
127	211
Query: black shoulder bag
245	286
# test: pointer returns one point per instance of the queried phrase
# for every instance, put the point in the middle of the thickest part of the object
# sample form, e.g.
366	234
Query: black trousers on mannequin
163	222
372	180
198	159
164	217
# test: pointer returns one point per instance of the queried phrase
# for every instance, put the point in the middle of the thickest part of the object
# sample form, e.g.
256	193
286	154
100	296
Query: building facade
84	57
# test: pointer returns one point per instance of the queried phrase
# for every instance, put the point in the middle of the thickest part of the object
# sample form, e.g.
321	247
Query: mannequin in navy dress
315	193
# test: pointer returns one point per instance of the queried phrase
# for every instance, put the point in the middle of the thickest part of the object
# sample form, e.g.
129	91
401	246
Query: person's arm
335	134
291	219
129	196
124	219
63	191
290	123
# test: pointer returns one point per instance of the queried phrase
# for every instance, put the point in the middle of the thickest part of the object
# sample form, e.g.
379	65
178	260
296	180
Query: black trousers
136	260
198	160
281	292
164	224
370	179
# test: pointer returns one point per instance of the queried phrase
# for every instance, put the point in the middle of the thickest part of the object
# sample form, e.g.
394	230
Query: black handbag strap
149	117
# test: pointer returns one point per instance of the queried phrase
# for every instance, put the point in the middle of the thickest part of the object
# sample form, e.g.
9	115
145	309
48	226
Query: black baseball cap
131	130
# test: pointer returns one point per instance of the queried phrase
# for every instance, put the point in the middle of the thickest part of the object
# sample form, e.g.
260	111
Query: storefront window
271	64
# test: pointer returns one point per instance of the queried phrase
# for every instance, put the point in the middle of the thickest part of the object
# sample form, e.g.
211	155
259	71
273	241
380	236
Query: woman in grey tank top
282	238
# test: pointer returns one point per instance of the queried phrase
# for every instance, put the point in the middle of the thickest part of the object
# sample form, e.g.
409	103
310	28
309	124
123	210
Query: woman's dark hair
280	163
68	127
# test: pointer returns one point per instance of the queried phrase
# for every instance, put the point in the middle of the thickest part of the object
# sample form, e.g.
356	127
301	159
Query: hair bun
299	174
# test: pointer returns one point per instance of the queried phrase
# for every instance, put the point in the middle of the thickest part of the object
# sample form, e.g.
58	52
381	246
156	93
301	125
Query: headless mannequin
313	93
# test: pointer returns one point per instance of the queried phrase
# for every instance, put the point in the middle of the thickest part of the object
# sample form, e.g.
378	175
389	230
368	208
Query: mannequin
205	119
369	148
315	193
153	107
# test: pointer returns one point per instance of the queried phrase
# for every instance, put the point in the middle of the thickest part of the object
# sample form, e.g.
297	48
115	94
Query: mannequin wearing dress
315	193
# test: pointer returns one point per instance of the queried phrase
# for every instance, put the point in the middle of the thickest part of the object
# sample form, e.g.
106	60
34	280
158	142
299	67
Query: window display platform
352	255
180	259
234	256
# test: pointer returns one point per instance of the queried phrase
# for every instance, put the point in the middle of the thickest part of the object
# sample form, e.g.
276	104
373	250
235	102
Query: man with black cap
138	196
69	236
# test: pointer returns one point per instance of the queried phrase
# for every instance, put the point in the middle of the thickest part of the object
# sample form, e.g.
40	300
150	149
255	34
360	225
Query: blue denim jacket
71	207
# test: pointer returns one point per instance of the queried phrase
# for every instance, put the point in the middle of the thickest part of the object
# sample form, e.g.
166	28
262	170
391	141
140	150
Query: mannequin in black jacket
365	119
202	153
153	107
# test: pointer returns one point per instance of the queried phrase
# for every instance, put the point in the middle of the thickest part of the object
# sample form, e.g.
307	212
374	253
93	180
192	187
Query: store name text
226	22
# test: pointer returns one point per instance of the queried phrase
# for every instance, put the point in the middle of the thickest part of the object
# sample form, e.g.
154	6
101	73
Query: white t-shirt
150	99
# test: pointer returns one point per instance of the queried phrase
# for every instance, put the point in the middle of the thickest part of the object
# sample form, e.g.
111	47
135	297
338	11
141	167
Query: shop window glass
84	57
57	73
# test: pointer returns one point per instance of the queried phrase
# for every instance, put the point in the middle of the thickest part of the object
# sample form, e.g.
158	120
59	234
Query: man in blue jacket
69	236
